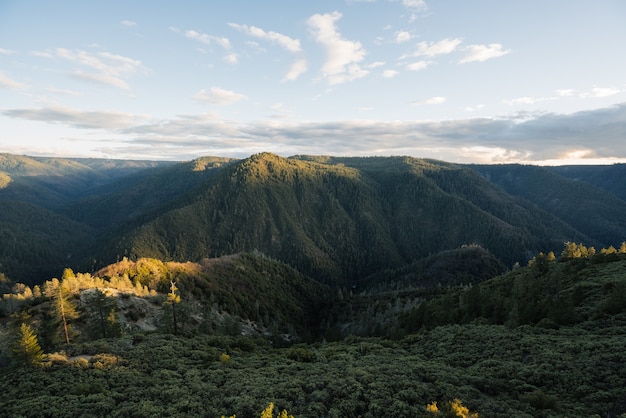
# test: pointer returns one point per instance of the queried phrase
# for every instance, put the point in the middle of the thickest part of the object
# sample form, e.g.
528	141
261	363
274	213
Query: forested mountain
337	219
333	286
345	218
606	177
601	216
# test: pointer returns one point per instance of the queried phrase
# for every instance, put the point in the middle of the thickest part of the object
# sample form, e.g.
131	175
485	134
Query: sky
484	81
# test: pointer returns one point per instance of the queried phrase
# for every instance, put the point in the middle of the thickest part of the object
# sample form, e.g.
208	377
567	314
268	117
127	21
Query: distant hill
336	219
345	218
598	214
606	177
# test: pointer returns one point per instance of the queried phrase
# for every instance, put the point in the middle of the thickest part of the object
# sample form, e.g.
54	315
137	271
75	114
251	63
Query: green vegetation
543	340
322	286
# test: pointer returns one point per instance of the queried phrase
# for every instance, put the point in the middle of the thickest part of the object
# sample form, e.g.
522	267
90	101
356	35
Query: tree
104	322
173	298
63	307
269	412
27	349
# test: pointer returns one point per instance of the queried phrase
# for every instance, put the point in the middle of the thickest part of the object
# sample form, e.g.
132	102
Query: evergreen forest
310	286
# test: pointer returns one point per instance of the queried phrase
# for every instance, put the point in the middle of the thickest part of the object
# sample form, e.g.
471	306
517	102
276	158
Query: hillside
343	219
336	219
601	216
541	341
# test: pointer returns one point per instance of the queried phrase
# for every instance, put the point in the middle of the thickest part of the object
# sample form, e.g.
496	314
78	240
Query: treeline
580	285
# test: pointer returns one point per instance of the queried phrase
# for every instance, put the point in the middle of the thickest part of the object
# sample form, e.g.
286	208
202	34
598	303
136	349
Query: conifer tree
173	298
63	308
27	349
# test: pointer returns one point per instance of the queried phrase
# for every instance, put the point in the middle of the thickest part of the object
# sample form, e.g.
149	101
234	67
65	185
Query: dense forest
310	286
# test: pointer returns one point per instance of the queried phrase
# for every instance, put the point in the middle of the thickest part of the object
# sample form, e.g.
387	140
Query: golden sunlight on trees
63	307
26	349
173	298
451	409
269	412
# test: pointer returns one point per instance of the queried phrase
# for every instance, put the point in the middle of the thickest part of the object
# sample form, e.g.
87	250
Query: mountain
336	219
38	239
340	219
598	214
606	177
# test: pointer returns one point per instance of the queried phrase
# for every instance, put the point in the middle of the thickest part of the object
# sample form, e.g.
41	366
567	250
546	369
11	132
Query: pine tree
27	349
63	308
173	298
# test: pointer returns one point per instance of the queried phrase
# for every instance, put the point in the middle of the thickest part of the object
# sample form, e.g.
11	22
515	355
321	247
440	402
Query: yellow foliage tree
269	412
451	409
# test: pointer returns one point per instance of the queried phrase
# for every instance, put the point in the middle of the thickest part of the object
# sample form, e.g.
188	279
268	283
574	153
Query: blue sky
485	81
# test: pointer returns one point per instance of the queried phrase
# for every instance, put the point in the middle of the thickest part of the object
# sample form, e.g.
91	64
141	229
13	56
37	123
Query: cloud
63	92
527	100
419	65
342	55
415	7
218	96
107	120
297	68
207	39
403	36
231	58
419	5
431	101
6	51
390	73
565	92
530	138
482	53
128	23
290	44
9	83
110	69
431	49
600	92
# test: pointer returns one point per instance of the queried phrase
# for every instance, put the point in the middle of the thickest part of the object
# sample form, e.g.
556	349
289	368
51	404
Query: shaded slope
599	215
341	218
37	244
606	177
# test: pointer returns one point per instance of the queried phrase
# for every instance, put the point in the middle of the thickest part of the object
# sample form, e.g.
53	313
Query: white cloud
474	108
600	92
527	100
290	44
128	23
565	92
218	96
208	39
431	49
342	55
376	64
403	36
431	101
482	53
101	78
9	83
111	69
107	120
419	65
231	58
415	4
297	69
63	92
6	51
390	73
